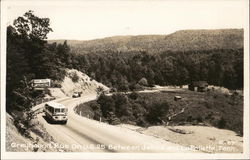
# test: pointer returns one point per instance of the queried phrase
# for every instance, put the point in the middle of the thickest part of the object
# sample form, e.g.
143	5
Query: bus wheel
64	122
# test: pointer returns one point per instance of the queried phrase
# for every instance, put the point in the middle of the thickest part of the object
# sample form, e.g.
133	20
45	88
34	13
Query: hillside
76	81
16	142
184	40
214	108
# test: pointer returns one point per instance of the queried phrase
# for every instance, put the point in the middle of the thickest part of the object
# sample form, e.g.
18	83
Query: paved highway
84	135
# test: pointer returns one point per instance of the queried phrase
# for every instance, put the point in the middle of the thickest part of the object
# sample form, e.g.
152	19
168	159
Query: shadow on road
50	121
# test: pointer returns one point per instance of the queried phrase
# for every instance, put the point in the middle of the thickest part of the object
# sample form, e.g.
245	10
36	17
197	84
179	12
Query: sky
85	20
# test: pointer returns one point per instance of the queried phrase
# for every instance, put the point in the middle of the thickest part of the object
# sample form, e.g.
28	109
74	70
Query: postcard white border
51	155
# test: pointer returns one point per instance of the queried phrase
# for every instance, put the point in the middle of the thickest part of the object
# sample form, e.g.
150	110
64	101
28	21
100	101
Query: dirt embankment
39	141
13	136
76	81
202	138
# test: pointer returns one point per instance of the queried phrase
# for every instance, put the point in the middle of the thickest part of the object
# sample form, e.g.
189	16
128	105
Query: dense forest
125	70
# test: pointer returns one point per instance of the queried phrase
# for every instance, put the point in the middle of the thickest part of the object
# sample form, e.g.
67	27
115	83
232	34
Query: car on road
76	94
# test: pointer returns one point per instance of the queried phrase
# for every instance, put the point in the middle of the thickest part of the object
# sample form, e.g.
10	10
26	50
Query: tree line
124	70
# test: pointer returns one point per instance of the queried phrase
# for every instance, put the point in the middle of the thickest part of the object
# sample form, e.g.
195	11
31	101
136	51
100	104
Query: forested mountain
184	40
215	56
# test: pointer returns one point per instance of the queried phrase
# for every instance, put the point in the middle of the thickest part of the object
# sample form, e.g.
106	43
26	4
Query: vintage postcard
106	79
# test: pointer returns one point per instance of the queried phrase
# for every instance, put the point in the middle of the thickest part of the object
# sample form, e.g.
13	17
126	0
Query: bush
95	106
157	112
189	118
134	95
221	123
107	104
135	87
143	82
97	111
123	87
199	119
23	122
142	122
99	90
112	119
74	77
56	84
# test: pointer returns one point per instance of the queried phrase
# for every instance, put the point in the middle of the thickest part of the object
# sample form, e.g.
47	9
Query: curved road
84	135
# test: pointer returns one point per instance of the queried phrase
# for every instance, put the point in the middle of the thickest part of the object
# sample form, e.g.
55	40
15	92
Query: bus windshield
62	110
57	110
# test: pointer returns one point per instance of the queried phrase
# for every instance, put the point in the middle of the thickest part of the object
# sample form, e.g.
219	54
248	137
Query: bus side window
50	109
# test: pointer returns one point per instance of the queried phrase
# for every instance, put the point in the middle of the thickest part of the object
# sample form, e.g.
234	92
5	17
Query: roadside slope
13	136
15	142
76	81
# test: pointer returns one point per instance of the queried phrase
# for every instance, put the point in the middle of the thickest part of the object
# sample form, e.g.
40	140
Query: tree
97	110
150	77
63	53
221	123
33	31
121	104
157	112
107	104
32	27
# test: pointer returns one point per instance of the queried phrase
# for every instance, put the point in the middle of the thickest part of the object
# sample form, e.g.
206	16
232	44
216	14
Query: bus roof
55	105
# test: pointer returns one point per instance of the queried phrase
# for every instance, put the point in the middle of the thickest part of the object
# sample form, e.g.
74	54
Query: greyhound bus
56	112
